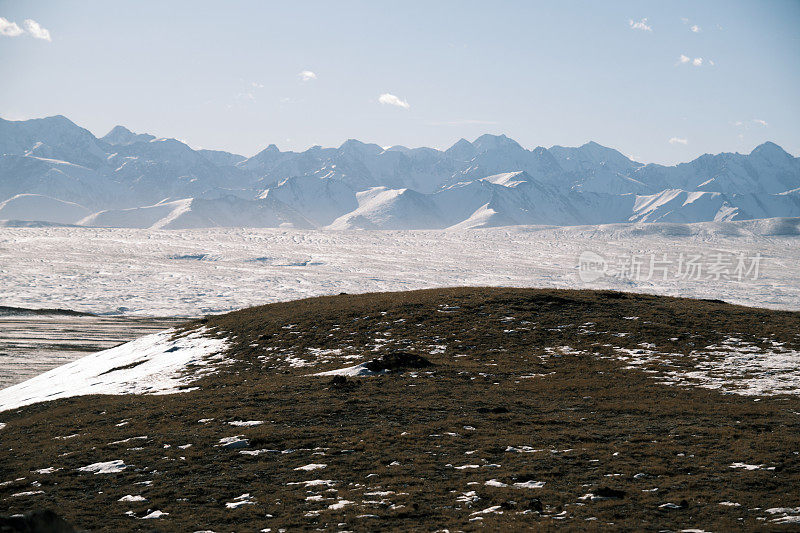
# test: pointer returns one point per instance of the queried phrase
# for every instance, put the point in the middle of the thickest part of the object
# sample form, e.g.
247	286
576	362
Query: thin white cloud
256	85
390	99
694	28
36	30
745	125
678	140
307	75
10	29
641	25
683	59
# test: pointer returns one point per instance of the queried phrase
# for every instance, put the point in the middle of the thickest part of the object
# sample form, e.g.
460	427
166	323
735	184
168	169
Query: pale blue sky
226	75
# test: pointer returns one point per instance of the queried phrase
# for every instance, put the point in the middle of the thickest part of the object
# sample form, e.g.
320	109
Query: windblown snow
154	364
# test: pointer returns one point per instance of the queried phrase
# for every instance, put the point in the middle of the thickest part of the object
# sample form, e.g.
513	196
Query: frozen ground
191	272
153	364
31	344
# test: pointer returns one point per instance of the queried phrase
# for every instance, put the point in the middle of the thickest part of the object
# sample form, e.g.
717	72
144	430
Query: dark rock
237	444
494	410
606	492
42	521
397	361
535	504
341	383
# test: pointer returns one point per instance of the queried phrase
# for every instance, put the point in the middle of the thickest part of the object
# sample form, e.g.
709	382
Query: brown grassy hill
541	409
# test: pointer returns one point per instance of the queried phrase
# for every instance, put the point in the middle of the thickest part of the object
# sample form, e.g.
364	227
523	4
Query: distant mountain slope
384	208
37	207
188	213
322	199
133	179
52	138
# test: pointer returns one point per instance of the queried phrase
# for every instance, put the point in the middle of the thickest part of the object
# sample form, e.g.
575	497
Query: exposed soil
526	418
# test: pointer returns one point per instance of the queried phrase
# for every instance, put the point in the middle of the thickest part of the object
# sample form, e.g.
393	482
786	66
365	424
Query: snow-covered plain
192	272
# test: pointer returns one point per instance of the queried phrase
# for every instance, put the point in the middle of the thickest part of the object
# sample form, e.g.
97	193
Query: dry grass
597	424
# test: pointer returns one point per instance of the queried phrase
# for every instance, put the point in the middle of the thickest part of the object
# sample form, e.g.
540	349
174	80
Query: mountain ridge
51	160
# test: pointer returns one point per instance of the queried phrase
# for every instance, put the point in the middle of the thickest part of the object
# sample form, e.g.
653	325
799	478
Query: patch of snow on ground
468	497
312	466
787	520
323	352
744	371
341	504
153	364
245	423
315	483
529	485
746	466
131	498
489	510
108	467
48	470
234	442
790	515
350	371
239	501
735	366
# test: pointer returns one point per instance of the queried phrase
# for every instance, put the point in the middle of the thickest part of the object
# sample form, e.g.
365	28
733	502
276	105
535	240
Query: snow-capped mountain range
52	170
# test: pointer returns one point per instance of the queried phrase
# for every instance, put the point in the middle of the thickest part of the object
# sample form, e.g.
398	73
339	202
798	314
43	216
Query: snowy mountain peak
770	150
54	137
398	148
55	171
120	135
354	146
488	142
461	150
